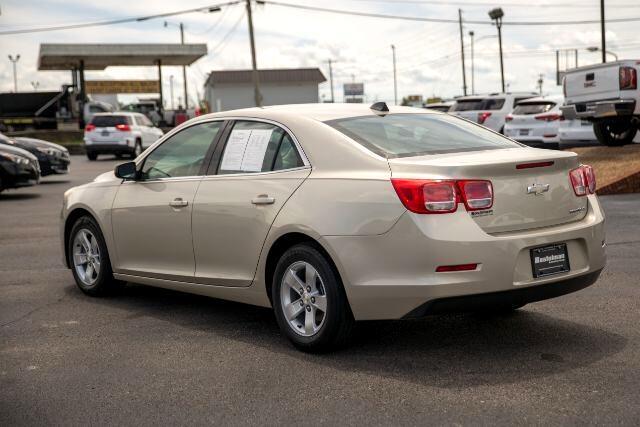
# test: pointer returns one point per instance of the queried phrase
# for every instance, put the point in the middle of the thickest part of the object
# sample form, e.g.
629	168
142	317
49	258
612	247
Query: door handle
178	203
263	199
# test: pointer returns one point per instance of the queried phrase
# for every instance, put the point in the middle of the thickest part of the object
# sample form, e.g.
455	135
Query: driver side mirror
127	171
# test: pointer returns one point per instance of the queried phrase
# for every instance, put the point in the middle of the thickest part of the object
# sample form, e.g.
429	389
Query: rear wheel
615	132
89	259
309	301
137	149
92	156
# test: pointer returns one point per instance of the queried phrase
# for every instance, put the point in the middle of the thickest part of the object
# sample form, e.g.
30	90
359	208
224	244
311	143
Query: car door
151	216
253	174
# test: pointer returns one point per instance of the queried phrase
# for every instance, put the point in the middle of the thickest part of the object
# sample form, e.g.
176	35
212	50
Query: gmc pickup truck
606	95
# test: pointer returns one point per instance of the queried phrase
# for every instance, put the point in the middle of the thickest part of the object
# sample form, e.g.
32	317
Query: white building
232	89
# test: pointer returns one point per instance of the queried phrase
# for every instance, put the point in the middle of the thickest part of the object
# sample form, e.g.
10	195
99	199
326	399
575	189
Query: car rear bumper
599	109
109	148
390	275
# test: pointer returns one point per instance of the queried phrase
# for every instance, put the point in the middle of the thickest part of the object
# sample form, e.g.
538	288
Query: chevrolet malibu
335	213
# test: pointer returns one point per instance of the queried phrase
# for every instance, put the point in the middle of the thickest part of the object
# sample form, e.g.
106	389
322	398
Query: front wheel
310	304
615	132
89	259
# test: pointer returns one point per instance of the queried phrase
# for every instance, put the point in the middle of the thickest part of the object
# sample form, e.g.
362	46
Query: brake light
551	117
483	116
583	180
628	78
90	127
534	165
508	118
438	196
476	194
123	127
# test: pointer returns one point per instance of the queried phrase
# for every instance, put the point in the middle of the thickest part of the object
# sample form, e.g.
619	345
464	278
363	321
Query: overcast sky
428	54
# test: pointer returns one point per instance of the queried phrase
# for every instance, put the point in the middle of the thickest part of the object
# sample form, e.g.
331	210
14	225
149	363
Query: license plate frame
549	260
105	133
525	132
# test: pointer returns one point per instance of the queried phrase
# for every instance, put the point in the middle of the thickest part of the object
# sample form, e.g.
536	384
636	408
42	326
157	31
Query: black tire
105	284
615	132
137	149
336	328
92	156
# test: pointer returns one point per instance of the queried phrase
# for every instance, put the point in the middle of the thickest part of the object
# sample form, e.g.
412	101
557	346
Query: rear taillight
123	127
583	180
551	117
628	78
476	194
508	118
483	116
438	197
89	127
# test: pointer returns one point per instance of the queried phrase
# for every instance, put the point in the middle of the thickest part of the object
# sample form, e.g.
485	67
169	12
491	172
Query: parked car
536	122
439	106
332	213
18	168
119	133
607	95
52	158
490	110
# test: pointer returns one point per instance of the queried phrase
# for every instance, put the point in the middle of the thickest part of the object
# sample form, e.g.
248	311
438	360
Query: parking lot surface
152	356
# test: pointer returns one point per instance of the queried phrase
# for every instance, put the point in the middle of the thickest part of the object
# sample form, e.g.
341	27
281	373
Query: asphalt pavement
155	357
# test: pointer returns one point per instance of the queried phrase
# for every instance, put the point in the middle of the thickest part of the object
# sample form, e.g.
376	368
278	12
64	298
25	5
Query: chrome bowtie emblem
537	188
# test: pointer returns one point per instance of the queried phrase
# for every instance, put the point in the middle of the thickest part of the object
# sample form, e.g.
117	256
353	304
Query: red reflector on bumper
459	267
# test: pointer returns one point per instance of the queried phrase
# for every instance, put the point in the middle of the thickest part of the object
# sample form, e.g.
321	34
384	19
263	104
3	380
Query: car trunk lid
520	199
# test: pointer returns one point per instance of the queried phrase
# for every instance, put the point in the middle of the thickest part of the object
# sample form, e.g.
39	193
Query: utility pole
184	71
464	73
497	14
15	72
540	82
602	33
171	89
395	81
473	86
255	77
331	80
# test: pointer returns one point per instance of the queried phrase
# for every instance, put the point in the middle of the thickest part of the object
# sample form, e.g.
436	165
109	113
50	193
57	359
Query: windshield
533	108
404	135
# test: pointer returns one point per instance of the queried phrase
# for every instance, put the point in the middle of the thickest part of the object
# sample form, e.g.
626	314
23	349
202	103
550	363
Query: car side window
145	121
181	155
258	147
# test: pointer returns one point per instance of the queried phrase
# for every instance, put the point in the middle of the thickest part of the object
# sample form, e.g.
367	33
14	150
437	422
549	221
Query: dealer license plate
549	260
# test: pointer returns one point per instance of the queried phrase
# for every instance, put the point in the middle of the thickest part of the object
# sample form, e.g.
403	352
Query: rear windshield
478	104
109	121
405	135
533	108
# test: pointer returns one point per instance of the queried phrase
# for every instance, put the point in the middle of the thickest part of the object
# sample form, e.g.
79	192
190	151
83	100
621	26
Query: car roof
320	112
556	99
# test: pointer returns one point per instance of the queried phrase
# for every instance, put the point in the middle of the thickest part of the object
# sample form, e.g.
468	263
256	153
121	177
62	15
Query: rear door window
467	105
258	147
110	121
493	104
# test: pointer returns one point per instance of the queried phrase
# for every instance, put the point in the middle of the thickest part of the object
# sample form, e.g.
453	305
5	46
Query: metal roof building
232	89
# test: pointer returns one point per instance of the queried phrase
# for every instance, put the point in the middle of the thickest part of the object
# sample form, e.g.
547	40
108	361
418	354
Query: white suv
489	110
119	133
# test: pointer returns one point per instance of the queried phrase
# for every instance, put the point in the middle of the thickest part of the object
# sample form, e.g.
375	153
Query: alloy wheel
86	257
303	298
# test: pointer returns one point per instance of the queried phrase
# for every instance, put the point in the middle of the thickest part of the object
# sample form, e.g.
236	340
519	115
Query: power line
220	46
492	4
439	20
209	8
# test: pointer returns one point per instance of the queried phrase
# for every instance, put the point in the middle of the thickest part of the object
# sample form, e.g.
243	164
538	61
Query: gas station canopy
100	56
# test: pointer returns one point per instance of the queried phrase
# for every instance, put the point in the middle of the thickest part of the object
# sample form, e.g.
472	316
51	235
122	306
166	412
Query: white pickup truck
607	95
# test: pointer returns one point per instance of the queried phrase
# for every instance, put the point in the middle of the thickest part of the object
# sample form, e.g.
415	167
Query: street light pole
464	72
497	14
331	80
184	71
395	81
171	89
15	72
473	86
